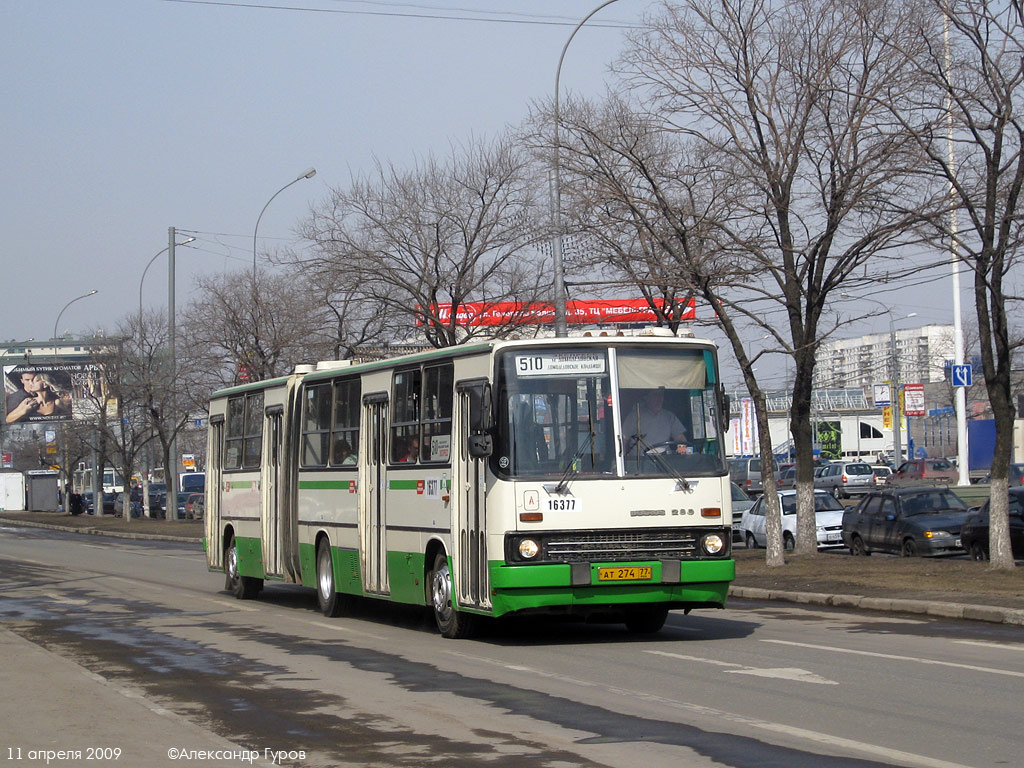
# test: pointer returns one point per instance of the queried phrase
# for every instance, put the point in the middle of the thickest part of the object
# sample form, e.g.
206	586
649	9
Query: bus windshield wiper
649	451
570	469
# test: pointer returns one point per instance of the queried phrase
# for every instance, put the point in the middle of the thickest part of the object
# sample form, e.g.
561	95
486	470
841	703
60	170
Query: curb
989	613
100	532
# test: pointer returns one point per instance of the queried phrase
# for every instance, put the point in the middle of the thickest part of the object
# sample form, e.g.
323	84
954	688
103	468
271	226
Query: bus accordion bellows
492	479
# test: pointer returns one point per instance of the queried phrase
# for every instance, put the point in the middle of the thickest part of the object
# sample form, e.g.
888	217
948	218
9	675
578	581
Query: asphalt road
133	646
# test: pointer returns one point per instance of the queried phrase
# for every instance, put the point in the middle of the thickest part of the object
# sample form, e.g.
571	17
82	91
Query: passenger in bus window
343	454
653	427
412	447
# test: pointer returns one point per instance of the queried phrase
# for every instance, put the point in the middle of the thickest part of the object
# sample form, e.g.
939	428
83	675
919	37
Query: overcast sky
121	119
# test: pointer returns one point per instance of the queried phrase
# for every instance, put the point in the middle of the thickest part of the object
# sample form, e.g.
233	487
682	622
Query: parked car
787	477
108	503
828	518
881	472
924	472
740	504
190	501
199	507
910	521
746	473
844	479
1016	475
974	534
133	505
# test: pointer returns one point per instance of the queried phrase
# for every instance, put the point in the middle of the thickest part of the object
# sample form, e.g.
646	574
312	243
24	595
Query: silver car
844	479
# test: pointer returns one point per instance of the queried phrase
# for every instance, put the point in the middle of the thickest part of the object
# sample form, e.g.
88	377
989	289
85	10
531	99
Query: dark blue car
908	521
975	530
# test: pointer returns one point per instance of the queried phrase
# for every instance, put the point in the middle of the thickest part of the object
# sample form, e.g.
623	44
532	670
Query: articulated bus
487	480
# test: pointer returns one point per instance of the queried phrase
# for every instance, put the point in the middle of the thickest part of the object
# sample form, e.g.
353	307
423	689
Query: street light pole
561	329
64	460
309	173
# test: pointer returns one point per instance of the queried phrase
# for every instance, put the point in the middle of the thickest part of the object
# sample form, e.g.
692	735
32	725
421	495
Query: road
134	646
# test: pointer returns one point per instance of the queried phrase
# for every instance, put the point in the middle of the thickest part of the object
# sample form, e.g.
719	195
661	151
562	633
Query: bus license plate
624	574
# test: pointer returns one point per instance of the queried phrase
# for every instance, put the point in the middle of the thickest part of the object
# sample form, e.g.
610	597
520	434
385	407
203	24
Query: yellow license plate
624	574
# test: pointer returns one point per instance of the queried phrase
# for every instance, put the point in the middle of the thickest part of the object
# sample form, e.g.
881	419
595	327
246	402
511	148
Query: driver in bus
652	427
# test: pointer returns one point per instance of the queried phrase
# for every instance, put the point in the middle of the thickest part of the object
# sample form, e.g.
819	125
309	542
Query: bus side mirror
480	446
480	408
723	405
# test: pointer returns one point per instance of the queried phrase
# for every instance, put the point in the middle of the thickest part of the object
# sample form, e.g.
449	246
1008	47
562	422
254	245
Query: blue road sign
962	376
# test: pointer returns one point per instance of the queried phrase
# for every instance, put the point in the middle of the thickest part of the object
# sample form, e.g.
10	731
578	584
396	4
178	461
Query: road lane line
934	662
781	673
987	644
338	627
843	746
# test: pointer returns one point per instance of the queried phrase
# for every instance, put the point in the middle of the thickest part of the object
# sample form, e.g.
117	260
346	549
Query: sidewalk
937	587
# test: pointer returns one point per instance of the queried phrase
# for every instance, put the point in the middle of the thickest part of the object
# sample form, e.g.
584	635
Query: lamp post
64	460
148	265
894	373
556	193
307	174
61	314
172	243
894	392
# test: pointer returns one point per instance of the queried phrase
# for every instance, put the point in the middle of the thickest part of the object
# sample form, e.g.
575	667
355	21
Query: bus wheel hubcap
441	590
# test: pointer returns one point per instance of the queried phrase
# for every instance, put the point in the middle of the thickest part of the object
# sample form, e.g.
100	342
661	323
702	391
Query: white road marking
782	673
986	644
844	746
832	649
339	627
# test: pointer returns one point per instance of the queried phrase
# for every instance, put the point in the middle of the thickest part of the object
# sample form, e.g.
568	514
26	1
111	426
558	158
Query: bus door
373	495
270	485
214	489
469	518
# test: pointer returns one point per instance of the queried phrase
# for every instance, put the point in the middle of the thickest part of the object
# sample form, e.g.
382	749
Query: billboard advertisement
50	392
588	312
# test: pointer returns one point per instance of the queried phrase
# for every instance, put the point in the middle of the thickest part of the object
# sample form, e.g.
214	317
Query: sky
122	119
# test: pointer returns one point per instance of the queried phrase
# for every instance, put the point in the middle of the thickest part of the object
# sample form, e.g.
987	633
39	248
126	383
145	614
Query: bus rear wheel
450	622
331	603
242	587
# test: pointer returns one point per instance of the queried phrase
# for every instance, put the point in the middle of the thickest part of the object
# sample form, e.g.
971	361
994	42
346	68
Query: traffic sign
962	376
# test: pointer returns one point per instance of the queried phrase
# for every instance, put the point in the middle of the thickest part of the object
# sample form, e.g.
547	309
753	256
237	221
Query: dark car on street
974	534
908	521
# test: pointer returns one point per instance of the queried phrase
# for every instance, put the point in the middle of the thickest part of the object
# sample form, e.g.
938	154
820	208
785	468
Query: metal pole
171	472
561	329
897	429
960	393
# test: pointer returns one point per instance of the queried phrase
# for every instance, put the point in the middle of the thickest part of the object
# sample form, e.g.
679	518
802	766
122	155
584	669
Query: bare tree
427	242
237	331
791	103
977	75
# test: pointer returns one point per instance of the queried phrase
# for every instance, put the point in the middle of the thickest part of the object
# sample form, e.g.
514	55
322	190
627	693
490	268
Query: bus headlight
713	544
528	549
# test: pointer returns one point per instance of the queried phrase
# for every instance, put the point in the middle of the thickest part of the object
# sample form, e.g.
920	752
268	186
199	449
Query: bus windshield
559	412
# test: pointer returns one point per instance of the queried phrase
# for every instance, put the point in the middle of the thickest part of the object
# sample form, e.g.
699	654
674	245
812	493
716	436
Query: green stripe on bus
325	485
403	485
239	485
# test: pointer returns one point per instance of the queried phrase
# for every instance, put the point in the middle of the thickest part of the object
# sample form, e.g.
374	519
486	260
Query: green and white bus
484	480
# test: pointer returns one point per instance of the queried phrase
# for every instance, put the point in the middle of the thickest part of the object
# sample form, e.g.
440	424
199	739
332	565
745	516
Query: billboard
589	312
50	392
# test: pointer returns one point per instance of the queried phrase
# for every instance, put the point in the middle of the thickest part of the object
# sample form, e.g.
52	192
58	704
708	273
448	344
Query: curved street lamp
556	192
61	314
309	173
144	271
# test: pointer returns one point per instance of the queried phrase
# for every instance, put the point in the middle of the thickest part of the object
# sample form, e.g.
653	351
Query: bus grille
610	546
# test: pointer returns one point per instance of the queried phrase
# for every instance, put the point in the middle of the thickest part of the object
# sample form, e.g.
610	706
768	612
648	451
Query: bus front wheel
242	587
647	621
331	603
450	622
